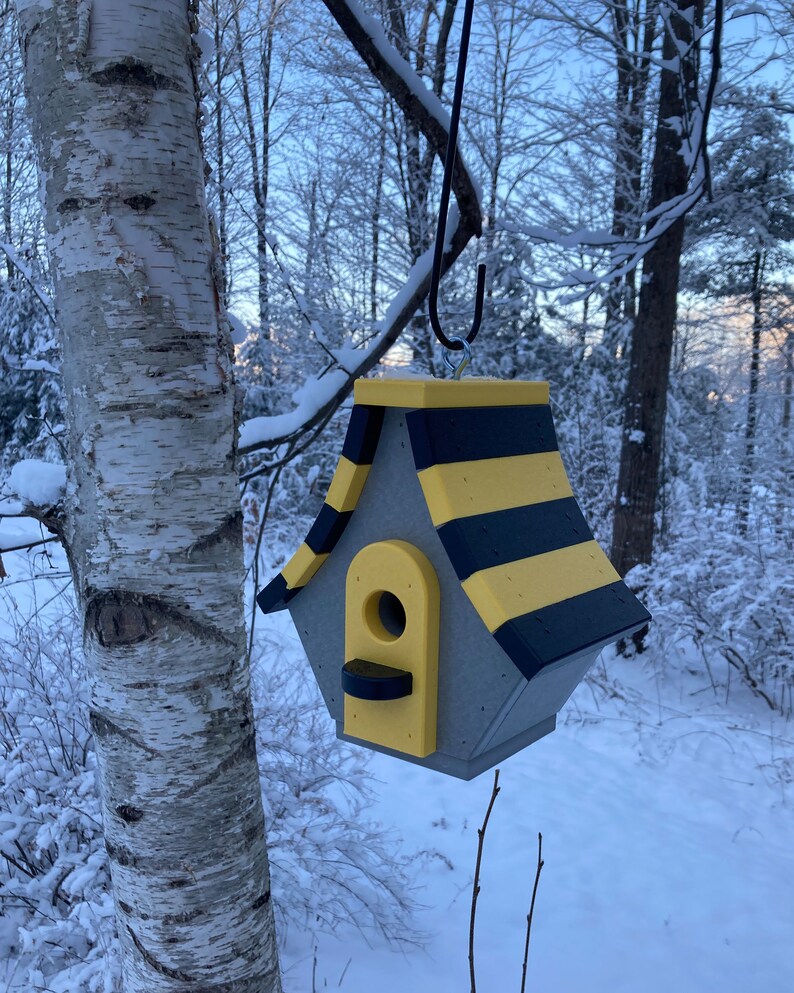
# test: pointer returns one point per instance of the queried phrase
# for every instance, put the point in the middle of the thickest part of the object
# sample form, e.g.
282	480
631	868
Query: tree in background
742	238
645	402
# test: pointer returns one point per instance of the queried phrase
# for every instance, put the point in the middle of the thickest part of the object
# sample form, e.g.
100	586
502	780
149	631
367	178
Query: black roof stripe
361	441
327	529
485	540
363	434
541	637
275	596
469	433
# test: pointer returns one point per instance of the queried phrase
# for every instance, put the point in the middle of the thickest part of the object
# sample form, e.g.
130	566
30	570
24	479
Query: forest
217	217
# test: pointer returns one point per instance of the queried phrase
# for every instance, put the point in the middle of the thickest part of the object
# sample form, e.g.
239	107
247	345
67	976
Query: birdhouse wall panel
475	677
547	692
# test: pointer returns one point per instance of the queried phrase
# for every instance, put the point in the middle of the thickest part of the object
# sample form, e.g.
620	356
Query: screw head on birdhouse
450	595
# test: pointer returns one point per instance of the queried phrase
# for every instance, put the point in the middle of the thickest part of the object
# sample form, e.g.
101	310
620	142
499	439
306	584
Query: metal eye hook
457	370
455	343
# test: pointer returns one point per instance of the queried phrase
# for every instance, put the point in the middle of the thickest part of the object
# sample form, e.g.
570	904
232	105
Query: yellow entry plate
427	393
506	591
461	489
401	571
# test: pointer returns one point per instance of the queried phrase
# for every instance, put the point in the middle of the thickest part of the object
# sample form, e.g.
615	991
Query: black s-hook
455	343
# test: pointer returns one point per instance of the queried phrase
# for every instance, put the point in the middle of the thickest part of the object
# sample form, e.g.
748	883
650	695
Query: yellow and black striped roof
358	451
488	462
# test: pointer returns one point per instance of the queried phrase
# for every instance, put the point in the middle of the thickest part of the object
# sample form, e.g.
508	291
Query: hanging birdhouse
450	595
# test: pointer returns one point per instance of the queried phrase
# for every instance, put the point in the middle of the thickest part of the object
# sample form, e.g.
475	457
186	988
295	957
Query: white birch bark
152	520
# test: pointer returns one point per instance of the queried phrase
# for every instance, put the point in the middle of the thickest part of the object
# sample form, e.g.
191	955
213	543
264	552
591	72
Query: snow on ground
668	833
668	830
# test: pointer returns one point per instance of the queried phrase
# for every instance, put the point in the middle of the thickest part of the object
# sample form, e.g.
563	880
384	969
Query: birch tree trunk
152	521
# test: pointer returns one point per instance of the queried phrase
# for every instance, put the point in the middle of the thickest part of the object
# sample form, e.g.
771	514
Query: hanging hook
457	369
455	343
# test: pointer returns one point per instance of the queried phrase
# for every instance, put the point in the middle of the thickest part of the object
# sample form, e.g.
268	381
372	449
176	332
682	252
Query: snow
39	484
312	396
316	392
397	63
667	832
667	819
636	437
20	531
206	44
39	365
239	331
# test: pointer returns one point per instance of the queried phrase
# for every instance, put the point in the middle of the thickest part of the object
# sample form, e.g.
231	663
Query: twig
27	275
531	912
476	887
344	972
270	491
30	544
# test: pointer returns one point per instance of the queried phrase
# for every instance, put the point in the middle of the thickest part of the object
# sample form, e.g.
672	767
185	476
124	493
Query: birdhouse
450	595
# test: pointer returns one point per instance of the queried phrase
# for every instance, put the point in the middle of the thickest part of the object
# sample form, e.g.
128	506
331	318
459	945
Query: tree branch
421	105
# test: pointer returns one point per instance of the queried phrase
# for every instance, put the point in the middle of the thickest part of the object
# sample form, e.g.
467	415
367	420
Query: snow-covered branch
33	489
410	93
319	397
12	256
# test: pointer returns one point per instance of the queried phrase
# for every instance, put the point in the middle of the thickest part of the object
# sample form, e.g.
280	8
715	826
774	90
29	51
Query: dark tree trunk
652	337
746	478
634	32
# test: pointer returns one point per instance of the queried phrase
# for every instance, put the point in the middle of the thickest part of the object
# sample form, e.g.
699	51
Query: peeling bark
151	516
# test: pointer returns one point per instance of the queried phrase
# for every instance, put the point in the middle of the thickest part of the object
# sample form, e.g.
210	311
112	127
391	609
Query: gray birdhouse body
489	677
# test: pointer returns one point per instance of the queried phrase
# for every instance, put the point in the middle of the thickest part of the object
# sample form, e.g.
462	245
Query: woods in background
626	171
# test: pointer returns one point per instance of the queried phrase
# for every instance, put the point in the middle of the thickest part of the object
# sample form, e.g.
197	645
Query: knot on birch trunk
118	618
133	72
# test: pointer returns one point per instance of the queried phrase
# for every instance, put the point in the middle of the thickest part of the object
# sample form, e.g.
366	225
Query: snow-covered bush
729	596
30	400
330	863
56	913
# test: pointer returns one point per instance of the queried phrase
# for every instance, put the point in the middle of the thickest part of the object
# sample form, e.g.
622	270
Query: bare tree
645	402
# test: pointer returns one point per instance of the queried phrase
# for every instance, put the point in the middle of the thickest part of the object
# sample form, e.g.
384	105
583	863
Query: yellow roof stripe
461	489
506	591
346	486
302	566
470	392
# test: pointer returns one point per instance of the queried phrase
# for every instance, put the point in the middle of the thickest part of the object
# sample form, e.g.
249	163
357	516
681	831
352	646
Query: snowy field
668	839
667	816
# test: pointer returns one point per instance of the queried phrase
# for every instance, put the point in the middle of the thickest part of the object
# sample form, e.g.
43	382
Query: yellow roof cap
417	393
